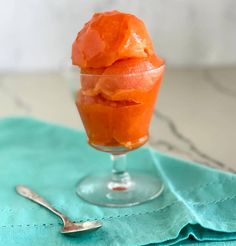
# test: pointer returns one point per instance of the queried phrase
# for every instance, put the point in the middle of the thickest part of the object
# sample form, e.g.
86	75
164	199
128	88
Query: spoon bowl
71	229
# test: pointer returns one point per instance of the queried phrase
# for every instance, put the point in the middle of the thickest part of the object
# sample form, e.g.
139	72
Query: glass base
136	188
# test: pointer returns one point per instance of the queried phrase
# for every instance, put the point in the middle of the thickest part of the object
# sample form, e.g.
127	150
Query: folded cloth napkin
198	203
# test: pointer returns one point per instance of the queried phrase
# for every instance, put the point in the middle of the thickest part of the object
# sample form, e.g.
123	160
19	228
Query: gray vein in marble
18	101
173	128
217	85
170	147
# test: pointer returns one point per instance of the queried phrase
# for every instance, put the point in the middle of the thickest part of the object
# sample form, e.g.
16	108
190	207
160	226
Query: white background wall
37	34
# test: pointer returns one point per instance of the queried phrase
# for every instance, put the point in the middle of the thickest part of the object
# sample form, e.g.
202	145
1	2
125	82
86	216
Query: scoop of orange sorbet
120	79
109	37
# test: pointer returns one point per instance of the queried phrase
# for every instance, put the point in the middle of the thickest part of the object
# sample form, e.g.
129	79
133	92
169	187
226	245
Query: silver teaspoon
69	228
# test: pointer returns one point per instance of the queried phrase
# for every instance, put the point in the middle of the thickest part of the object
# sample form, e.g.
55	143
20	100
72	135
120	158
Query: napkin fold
197	205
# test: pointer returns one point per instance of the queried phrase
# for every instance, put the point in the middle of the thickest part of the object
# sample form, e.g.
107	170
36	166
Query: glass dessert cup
116	111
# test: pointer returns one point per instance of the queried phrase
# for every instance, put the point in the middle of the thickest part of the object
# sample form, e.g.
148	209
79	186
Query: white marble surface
195	117
38	34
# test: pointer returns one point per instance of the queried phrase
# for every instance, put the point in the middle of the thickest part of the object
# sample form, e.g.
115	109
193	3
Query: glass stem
120	177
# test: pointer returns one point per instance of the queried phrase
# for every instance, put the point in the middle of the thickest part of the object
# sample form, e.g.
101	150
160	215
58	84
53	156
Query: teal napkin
198	203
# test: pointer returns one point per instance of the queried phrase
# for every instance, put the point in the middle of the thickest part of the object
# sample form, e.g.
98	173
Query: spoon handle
28	193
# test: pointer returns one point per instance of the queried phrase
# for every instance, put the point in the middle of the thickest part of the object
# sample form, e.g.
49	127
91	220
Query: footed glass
116	111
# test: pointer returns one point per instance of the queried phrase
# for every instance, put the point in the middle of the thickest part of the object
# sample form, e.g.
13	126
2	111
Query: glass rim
151	71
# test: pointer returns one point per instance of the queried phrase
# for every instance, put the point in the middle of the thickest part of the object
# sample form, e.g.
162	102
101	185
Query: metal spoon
69	228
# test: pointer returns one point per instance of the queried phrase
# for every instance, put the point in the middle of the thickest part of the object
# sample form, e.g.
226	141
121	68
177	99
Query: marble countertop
195	117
